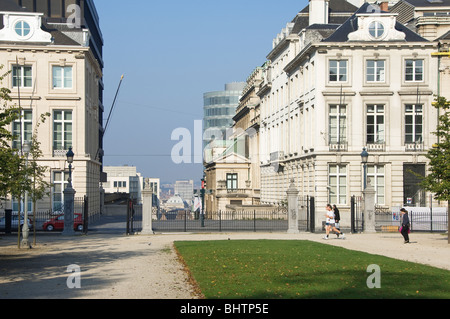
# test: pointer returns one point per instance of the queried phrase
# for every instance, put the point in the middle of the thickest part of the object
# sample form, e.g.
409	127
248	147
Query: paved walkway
114	266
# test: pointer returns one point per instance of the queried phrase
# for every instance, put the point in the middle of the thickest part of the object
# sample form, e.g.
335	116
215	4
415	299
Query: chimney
318	11
384	6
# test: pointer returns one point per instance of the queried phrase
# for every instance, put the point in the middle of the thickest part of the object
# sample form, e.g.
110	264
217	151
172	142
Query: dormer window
376	29
22	29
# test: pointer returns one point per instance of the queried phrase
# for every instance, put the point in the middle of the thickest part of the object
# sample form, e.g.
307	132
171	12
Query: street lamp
364	160
26	147
202	194
70	156
69	198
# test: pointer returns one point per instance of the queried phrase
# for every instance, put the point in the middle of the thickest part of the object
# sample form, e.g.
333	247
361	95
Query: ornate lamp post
202	194
25	229
69	199
364	160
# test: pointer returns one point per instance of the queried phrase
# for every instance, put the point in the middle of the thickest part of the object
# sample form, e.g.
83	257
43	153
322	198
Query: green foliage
291	269
17	173
438	179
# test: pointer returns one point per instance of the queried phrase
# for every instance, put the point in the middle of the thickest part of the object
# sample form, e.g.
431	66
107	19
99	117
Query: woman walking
405	224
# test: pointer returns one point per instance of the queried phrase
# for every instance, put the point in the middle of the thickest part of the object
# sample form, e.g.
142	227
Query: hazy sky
171	52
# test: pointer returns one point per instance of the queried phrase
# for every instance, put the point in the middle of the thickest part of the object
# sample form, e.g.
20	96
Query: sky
170	53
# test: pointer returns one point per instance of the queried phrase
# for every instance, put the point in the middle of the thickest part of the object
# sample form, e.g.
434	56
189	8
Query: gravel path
146	267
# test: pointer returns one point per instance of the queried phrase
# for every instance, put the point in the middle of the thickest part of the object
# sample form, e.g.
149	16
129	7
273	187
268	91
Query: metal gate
357	214
307	212
134	217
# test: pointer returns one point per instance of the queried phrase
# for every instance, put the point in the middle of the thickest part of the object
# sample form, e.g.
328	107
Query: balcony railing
414	147
59	153
339	147
376	147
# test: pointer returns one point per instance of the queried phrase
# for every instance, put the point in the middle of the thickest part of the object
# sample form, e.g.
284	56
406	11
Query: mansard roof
351	25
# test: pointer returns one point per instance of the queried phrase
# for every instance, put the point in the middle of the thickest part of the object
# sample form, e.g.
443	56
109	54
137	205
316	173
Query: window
338	184
22	129
60	181
62	130
413	123
338	124
376	29
62	77
375	124
414	70
375	71
120	184
376	175
338	71
22	76
232	181
22	28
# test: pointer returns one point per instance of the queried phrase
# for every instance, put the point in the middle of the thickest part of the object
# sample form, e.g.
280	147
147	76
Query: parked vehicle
57	223
14	223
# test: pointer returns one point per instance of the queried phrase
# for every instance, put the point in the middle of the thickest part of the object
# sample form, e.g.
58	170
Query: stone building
54	71
334	89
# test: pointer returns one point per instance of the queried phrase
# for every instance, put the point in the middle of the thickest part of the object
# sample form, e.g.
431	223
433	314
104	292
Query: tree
40	187
9	159
17	174
438	179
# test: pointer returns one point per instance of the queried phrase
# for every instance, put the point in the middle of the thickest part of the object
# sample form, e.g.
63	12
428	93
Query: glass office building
219	108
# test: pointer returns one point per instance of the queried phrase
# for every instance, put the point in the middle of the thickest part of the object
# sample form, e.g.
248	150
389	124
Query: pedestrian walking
337	218
405	229
329	223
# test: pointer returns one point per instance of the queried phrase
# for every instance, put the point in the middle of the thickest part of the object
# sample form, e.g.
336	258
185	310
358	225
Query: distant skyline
170	53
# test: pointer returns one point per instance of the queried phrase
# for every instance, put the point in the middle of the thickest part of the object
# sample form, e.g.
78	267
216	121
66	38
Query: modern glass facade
219	108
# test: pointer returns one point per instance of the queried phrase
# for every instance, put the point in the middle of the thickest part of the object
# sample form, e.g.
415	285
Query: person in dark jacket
405	224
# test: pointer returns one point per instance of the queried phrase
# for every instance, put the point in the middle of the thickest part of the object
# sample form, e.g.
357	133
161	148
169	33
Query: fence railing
421	219
185	221
38	220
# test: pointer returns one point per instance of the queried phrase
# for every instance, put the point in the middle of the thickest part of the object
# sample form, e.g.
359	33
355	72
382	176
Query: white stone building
56	74
124	179
333	89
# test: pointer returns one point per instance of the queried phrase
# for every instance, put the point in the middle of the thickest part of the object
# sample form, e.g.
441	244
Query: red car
57	223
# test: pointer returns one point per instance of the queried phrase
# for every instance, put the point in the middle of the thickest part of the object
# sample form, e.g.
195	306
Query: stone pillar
369	209
292	195
147	207
69	202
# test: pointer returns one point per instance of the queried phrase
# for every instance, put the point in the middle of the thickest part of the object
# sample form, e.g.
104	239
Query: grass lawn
263	269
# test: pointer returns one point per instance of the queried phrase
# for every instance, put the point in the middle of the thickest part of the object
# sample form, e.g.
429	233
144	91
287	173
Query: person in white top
329	223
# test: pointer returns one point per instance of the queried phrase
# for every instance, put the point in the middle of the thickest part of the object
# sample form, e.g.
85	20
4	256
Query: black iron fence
48	220
222	221
421	219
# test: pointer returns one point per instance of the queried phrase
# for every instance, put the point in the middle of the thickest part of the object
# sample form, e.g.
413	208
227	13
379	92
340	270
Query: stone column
147	207
369	209
69	203
292	195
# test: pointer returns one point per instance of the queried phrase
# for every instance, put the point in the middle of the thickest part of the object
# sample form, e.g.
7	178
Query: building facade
185	189
219	107
58	74
124	179
233	174
334	90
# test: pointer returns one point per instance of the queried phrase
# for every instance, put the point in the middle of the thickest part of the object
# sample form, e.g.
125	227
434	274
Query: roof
10	5
335	6
58	37
445	36
351	25
429	3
